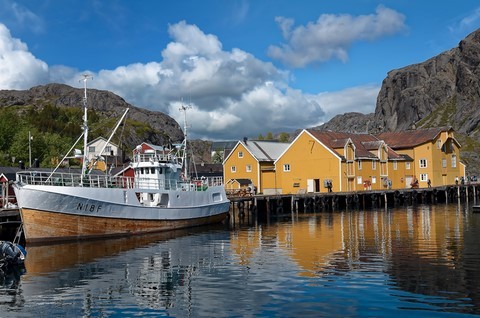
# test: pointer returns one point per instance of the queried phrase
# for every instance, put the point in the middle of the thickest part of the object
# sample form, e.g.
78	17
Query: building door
317	185
310	185
408	180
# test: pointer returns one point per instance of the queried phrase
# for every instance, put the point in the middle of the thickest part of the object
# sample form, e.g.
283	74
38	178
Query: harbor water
415	261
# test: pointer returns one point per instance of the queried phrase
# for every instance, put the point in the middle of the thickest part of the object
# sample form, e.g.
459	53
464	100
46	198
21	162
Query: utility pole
29	149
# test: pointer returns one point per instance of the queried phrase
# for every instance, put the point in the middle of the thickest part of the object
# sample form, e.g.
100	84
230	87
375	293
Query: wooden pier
9	222
266	206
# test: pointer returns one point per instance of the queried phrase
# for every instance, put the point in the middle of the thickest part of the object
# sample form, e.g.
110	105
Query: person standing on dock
329	185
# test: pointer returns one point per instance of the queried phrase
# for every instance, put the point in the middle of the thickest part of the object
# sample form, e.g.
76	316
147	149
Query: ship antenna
185	163
85	78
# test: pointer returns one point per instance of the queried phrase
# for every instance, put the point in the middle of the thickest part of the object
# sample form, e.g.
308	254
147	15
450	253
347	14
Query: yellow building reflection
316	241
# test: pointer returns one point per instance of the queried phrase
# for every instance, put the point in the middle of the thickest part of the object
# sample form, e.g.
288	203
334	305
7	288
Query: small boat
160	196
11	255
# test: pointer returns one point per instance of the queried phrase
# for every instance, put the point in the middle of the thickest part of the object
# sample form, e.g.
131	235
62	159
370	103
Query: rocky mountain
442	91
158	128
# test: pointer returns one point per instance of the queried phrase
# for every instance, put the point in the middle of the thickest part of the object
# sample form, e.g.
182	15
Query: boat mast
85	78
185	163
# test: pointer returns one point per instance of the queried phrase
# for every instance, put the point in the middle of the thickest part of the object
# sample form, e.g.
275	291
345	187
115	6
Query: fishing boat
159	197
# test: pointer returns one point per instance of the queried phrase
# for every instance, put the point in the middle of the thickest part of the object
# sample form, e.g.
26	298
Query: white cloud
19	69
467	23
232	93
360	99
19	16
331	36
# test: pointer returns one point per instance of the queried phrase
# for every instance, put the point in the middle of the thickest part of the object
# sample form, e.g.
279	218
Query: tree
269	136
8	129
217	156
284	137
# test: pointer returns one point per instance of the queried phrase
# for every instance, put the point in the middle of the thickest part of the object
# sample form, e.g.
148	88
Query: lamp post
30	137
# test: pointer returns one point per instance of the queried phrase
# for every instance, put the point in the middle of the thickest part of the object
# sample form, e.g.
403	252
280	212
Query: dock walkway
265	206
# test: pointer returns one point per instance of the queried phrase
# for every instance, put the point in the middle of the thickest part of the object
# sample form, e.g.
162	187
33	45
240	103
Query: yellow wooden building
251	164
322	161
347	162
435	151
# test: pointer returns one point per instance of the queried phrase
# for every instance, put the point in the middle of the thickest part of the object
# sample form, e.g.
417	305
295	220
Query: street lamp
30	138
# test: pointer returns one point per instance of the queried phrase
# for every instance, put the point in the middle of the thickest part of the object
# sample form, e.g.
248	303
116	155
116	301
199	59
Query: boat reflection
43	259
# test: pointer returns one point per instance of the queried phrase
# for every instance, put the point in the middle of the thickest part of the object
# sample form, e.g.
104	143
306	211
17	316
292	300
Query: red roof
364	143
411	138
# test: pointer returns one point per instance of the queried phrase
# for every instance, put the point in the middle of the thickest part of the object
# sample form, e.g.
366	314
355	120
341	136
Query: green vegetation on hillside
441	116
53	129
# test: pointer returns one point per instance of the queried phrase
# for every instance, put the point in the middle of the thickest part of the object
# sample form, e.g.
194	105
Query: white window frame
454	161
374	180
444	162
395	165
407	166
248	168
424	177
359	165
240	154
233	169
439	144
359	180
422	163
286	167
374	165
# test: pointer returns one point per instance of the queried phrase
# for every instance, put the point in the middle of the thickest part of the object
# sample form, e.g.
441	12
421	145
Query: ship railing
151	157
74	180
107	181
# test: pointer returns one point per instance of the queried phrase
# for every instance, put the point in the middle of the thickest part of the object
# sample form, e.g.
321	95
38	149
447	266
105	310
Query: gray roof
265	150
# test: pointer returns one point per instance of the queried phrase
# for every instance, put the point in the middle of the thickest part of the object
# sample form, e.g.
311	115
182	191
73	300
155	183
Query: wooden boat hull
43	226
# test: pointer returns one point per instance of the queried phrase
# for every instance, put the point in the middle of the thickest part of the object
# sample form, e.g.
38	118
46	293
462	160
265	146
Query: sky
242	67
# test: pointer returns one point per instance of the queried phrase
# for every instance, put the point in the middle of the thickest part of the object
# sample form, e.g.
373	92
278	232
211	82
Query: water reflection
411	260
425	250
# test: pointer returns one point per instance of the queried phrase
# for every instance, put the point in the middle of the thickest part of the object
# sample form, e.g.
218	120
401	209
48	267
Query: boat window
150	196
152	170
160	170
147	171
217	197
141	170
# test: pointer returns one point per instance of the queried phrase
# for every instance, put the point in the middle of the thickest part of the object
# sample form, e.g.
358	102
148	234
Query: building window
240	154
395	165
407	165
374	165
374	180
439	144
286	167
444	163
423	163
249	168
108	149
423	177
91	149
233	169
359	180
454	161
359	165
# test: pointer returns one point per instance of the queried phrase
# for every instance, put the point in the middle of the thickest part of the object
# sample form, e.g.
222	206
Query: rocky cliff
161	127
442	91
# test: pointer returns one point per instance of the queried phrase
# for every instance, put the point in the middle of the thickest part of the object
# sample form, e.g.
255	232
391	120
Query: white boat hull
58	213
